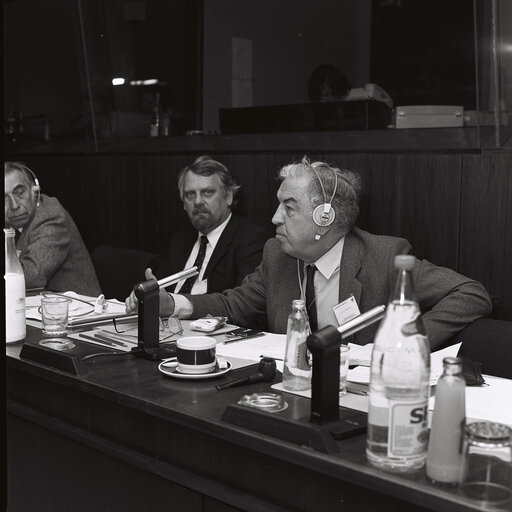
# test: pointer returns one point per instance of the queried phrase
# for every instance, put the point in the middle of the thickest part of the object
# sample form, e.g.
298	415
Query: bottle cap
452	360
299	303
405	261
9	231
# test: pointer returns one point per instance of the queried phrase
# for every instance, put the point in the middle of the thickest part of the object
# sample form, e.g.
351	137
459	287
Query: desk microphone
266	371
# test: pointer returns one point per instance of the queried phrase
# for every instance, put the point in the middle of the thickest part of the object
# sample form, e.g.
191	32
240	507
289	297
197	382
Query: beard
201	219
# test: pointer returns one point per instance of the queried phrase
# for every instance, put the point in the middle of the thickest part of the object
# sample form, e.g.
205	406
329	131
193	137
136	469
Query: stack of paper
81	308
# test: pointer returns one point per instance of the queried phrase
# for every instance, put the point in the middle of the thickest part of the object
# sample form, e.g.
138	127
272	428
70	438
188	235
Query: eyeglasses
172	325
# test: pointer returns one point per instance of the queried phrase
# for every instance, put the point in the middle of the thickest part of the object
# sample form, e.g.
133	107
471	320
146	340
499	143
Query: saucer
174	372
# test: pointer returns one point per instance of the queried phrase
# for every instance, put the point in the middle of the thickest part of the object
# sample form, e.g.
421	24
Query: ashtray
270	402
57	344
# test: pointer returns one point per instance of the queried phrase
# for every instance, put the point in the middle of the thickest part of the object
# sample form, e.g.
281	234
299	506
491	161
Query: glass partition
88	71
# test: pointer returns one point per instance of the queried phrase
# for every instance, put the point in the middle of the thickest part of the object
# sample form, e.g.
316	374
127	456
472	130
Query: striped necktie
189	283
310	297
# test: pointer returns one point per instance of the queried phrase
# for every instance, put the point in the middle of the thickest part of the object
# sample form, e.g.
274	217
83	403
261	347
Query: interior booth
106	101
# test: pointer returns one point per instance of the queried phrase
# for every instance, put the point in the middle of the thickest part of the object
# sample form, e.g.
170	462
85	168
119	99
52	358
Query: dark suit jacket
237	253
53	254
448	300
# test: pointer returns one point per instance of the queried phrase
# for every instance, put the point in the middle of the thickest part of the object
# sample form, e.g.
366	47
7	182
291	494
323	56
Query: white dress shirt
326	281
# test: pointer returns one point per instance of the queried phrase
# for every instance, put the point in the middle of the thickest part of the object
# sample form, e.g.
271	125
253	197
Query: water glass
54	313
344	357
487	470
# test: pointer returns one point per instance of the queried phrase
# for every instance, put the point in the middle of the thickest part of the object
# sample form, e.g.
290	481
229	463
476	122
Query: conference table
120	435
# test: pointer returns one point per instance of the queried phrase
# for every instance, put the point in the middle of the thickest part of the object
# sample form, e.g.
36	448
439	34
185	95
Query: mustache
199	210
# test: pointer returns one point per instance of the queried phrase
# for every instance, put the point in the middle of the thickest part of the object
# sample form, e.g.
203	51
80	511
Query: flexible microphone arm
174	278
360	322
266	371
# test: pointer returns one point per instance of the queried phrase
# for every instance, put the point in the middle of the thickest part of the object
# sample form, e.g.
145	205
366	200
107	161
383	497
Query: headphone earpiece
324	214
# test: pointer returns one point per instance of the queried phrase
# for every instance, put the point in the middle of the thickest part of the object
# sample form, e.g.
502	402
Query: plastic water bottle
445	446
397	435
15	320
296	367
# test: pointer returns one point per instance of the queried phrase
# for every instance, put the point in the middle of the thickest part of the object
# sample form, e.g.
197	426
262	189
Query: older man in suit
52	253
224	246
318	254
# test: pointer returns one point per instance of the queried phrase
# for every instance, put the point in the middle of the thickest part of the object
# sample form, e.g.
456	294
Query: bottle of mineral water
397	435
445	456
296	368
15	321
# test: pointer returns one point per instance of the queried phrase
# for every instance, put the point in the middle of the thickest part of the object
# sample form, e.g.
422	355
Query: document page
81	308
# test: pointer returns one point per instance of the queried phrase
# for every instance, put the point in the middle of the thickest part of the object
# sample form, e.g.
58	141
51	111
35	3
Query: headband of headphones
36	188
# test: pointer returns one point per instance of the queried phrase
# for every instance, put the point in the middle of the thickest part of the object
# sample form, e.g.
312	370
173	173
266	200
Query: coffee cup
196	354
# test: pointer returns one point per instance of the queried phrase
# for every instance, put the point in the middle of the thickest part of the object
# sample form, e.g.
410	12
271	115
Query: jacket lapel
223	244
349	267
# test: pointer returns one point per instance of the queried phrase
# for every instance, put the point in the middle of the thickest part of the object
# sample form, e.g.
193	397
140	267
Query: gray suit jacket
53	254
448	300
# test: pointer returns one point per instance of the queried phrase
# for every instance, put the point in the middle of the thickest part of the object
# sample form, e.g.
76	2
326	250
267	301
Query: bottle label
15	323
408	428
301	355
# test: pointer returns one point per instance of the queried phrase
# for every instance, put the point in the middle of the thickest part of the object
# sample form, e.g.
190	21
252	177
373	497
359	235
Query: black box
306	117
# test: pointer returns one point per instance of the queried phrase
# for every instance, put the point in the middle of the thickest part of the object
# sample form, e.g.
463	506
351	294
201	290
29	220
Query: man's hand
166	301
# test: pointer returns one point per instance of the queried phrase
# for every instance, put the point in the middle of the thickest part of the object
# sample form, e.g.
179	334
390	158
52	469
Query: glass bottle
15	320
296	368
154	127
399	381
445	454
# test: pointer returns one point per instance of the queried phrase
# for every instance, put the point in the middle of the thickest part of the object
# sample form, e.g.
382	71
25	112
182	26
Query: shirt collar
213	236
330	261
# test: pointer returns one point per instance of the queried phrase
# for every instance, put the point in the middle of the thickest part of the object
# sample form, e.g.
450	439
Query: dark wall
453	208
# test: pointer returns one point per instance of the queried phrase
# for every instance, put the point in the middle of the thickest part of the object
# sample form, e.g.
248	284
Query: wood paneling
486	224
49	473
453	208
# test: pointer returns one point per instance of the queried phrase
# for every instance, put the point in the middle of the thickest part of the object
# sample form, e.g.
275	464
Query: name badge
346	310
200	287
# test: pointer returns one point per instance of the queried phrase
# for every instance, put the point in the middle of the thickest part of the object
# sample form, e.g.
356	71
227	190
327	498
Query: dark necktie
17	235
310	297
189	283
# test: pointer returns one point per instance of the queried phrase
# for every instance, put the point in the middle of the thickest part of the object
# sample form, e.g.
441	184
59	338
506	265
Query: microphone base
300	430
156	354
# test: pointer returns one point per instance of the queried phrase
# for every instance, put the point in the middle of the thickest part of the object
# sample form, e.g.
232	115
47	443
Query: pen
98	340
244	337
272	357
103	337
35	290
357	392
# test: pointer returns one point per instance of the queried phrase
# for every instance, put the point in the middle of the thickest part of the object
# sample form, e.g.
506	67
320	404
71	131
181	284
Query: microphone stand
148	295
324	346
324	427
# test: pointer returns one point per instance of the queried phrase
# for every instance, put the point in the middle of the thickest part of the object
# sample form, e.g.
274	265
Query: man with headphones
350	270
52	253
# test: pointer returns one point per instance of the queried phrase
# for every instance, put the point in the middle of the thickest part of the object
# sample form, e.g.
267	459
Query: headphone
323	214
36	188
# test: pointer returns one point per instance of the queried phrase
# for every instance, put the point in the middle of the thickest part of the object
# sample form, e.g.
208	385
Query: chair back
119	269
489	342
